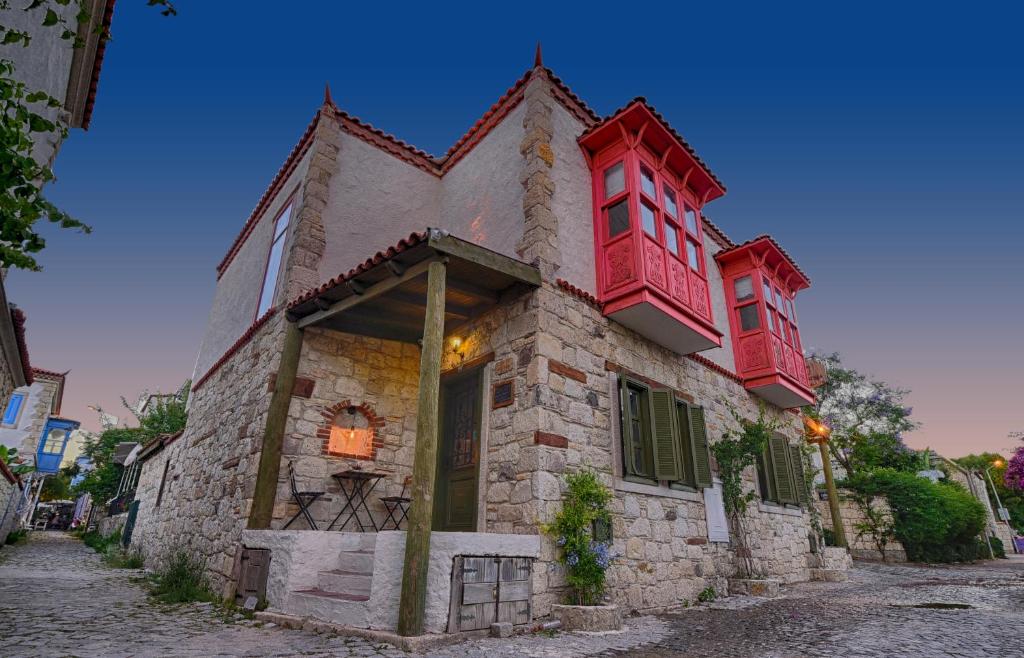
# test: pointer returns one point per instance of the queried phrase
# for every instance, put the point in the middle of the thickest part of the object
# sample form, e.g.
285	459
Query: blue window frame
13	410
52	442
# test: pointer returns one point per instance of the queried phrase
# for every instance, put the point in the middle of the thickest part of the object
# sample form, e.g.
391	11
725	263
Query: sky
881	144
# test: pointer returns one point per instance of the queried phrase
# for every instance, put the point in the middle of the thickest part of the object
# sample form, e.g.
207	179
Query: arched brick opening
360	440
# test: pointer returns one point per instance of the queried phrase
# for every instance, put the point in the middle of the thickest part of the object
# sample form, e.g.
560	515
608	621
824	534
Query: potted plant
584	556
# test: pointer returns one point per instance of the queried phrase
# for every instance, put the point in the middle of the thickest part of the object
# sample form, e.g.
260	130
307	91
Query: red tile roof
581	293
18	319
774	243
378	258
97	63
49	374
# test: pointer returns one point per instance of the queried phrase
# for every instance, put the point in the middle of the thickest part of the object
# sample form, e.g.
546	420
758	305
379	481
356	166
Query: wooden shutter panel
797	458
685	445
781	469
699	442
629	468
665	435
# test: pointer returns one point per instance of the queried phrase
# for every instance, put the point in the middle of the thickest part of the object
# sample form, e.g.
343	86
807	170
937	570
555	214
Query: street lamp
998	463
818	432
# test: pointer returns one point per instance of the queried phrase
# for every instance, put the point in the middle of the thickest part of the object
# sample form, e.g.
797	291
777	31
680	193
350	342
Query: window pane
647	218
614	180
54	441
618	218
749	318
771	319
670	201
744	287
671	240
693	254
647	183
768	295
778	302
792	310
270	278
691	221
282	222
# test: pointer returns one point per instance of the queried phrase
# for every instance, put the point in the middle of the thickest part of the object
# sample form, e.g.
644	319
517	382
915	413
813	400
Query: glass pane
785	330
670	201
618	218
792	310
768	295
614	180
744	287
778	302
54	441
647	183
691	221
749	317
647	218
693	254
282	222
771	319
671	240
270	278
634	403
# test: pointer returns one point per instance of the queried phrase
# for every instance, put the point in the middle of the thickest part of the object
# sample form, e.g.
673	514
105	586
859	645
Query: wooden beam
371	292
450	310
485	257
265	492
412	606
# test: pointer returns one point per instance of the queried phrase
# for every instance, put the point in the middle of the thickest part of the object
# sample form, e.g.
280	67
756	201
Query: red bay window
761	283
649	189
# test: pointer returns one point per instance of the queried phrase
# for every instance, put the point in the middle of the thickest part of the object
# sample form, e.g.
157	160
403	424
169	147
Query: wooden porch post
417	537
273	436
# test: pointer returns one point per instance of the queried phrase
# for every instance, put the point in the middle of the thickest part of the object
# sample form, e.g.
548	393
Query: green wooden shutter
685	445
699	441
625	421
665	435
781	469
797	458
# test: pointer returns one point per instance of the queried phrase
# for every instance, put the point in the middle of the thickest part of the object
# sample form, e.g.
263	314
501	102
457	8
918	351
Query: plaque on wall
503	394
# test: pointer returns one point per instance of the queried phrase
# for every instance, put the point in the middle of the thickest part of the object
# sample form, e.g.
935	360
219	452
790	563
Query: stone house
570	306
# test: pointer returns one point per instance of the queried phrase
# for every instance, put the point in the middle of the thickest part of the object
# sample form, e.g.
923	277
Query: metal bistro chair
397	506
304	499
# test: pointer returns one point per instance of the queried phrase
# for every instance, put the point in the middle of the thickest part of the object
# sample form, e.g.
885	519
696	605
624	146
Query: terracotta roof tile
765	236
18	319
97	63
378	258
49	374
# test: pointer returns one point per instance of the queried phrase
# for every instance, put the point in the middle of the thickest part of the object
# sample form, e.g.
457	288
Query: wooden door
490	589
458	454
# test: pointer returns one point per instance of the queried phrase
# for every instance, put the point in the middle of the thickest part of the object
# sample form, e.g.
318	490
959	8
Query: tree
858	408
22	203
1012	499
166	417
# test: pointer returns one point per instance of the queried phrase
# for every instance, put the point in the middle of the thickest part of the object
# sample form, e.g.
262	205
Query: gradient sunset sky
882	146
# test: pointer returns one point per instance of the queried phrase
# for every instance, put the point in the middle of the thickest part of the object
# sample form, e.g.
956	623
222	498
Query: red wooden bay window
649	189
761	283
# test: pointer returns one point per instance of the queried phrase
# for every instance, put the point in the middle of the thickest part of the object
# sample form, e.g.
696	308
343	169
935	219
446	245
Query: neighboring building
593	315
51	64
15	371
11	489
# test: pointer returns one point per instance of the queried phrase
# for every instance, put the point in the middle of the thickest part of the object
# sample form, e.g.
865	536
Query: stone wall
211	478
10	494
861	545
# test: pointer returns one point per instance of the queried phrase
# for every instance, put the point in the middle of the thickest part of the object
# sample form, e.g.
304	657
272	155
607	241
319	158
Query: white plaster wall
44	65
573	202
238	290
34	411
444	547
482	196
374	199
723	356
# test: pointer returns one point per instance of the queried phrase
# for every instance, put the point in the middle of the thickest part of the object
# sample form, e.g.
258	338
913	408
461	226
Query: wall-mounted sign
503	394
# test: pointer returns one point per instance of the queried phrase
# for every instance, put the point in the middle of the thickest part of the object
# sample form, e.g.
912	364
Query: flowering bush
1014	477
585	558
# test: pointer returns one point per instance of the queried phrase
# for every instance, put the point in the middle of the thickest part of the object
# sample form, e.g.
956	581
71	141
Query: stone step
344	609
344	582
356	561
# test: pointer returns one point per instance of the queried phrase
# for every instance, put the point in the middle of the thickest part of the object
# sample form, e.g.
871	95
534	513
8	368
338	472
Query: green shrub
584	558
707	595
17	536
182	580
997	547
935	522
119	558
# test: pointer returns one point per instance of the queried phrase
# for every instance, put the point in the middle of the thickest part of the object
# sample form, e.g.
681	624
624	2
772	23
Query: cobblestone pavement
883	611
58	599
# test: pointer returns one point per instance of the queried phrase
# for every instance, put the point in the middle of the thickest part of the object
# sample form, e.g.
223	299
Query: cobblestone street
58	599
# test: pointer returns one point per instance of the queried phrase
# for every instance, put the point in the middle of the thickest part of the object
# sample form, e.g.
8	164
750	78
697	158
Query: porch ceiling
386	296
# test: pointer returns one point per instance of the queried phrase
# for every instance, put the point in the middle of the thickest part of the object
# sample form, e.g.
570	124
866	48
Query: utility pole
999	504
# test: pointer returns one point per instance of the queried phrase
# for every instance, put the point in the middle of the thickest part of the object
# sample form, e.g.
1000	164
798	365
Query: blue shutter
13	407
